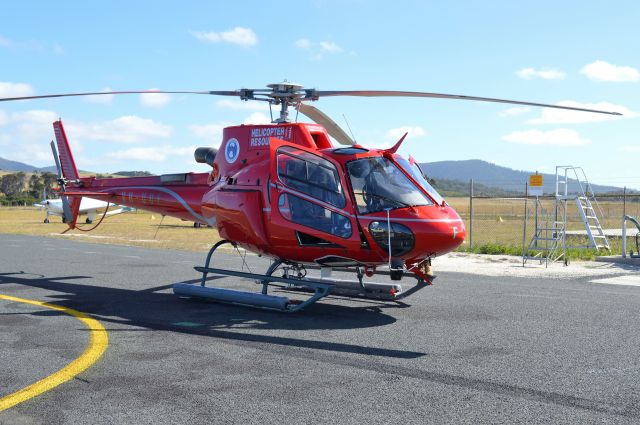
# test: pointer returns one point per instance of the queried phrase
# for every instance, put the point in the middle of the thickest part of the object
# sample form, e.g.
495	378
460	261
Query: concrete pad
619	260
620	280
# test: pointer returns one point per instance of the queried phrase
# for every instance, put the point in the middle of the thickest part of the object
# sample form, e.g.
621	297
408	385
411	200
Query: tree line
21	189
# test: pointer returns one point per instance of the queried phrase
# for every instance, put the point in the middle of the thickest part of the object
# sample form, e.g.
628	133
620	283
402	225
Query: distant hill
8	165
494	176
49	169
15	166
449	188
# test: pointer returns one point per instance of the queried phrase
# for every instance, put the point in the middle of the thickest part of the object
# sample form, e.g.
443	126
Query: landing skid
292	278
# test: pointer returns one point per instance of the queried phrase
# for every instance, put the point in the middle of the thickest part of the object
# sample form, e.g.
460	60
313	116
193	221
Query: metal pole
471	213
624	222
537	212
526	213
624	236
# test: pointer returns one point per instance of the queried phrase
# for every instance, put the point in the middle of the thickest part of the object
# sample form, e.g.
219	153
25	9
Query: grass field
501	221
137	228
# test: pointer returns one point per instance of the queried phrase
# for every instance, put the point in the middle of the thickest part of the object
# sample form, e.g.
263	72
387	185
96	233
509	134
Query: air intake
205	155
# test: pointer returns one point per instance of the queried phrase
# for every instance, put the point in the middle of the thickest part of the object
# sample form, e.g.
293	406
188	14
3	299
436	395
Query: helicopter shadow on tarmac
151	309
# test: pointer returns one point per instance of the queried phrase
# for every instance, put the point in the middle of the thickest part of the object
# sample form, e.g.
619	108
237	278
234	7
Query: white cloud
31	126
24	136
33	154
303	43
559	137
155	154
563	116
155	100
242	105
630	148
9	89
105	99
330	47
244	37
126	129
210	132
31	45
604	71
396	133
320	49
516	110
257	118
546	74
6	42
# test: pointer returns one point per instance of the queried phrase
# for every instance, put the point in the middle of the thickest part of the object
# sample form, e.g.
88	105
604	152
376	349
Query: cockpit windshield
414	170
379	185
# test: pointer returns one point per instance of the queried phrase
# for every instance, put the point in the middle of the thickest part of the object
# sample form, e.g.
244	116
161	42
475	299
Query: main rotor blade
46	96
388	93
323	119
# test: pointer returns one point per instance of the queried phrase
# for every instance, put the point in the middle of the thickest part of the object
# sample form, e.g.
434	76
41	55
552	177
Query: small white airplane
88	206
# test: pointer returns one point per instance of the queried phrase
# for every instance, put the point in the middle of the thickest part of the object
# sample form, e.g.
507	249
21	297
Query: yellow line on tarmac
97	345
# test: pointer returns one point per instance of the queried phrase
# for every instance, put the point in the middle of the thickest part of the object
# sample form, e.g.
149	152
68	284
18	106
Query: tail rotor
67	214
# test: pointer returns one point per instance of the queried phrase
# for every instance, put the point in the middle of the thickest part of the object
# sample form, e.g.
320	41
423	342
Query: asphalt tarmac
469	349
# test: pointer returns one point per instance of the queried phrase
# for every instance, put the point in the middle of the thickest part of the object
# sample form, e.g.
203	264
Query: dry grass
501	221
136	228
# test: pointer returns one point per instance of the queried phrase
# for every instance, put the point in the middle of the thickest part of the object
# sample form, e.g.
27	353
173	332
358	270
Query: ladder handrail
584	197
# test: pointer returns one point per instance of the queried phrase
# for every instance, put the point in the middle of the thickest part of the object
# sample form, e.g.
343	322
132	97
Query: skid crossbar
320	290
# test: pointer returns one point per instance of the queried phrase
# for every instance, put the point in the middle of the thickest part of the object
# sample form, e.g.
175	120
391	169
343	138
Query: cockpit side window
311	175
416	172
379	185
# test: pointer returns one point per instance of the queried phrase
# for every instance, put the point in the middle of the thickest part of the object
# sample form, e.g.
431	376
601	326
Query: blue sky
581	53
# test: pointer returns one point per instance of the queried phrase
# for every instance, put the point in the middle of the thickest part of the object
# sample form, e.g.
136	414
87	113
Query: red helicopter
287	192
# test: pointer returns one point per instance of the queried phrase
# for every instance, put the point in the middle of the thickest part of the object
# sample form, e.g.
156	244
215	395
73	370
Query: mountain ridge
497	176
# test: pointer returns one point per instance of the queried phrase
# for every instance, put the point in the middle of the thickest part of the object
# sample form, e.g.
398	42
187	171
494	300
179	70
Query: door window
311	175
306	213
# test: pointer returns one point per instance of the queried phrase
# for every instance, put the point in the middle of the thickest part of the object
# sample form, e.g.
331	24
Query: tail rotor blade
56	158
66	210
67	214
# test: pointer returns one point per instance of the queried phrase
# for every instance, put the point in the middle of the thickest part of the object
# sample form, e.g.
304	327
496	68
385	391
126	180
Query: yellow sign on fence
535	180
535	184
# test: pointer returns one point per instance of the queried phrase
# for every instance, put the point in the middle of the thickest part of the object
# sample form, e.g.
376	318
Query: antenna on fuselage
349	127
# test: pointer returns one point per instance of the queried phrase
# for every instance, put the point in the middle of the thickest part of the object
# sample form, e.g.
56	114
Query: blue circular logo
232	151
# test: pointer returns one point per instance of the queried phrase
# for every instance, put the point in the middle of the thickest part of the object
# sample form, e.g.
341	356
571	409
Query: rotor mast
285	94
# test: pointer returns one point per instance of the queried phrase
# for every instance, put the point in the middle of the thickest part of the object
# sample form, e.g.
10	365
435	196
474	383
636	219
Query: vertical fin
69	170
66	171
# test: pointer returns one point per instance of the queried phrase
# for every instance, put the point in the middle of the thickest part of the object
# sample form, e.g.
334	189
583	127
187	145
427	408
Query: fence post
471	213
526	213
624	201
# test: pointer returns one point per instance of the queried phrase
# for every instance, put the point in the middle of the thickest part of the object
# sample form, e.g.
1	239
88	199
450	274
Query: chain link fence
501	220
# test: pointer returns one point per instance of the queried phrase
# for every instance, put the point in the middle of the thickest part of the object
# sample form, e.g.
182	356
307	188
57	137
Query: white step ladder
585	200
548	242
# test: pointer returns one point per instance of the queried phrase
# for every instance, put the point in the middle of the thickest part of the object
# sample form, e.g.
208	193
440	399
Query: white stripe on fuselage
210	222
